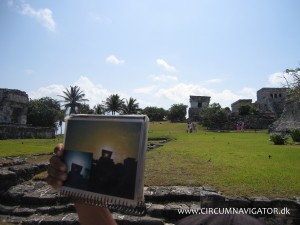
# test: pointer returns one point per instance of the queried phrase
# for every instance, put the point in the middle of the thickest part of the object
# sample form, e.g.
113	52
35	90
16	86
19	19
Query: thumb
59	149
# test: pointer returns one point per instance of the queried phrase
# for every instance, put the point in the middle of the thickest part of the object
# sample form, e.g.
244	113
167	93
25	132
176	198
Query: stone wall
20	132
290	118
271	100
236	105
254	122
13	106
25	201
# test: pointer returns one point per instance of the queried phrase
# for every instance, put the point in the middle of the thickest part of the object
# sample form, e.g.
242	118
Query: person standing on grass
242	126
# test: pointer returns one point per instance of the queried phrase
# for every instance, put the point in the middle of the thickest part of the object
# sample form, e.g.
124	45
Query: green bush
278	139
296	135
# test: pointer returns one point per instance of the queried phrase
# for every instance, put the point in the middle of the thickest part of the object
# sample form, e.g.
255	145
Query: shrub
296	135
278	139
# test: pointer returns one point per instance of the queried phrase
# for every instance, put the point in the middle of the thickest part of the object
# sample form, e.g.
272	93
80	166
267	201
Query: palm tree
114	103
73	98
130	107
99	109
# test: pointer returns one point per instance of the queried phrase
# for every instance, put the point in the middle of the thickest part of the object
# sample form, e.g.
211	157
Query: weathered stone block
156	210
7	179
23	211
212	199
260	202
238	202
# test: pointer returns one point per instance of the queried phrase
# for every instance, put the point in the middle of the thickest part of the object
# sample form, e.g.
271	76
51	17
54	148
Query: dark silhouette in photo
102	176
113	179
78	175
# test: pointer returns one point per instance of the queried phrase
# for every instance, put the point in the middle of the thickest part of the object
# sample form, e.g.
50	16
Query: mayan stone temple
13	117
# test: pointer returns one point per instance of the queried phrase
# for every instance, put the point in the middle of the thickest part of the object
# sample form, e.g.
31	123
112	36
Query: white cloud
163	95
114	60
164	78
51	91
213	81
180	94
249	92
94	93
277	79
44	16
164	64
145	90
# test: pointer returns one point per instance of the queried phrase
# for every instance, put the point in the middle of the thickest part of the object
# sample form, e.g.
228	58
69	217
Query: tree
99	109
292	78
213	116
84	109
130	106
73	98
44	112
114	104
247	110
177	113
155	113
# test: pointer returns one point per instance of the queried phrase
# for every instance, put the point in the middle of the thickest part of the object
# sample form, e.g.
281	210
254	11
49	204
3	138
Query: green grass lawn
27	146
237	164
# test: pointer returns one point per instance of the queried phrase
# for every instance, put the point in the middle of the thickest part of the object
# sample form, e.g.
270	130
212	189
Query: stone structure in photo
197	103
13	117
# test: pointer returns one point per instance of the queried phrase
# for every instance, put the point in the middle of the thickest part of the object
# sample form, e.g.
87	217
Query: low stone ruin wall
25	201
22	132
254	122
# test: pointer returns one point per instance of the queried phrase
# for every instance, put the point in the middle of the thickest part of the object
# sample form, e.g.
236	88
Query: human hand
88	214
57	171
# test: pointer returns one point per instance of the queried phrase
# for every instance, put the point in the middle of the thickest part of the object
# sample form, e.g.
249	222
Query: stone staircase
26	201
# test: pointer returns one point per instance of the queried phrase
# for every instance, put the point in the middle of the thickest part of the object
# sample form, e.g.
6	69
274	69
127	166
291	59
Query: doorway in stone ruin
16	115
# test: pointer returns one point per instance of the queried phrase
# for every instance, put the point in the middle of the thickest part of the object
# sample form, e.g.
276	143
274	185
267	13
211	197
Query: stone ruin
197	103
271	100
13	117
289	119
13	106
236	105
271	104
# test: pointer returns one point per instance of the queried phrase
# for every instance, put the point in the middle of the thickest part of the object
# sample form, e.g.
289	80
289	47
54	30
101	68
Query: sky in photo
157	51
123	139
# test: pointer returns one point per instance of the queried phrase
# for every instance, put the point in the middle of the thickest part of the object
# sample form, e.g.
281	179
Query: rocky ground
26	199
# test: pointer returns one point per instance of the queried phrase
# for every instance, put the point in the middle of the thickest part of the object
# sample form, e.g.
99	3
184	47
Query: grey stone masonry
289	119
25	201
13	106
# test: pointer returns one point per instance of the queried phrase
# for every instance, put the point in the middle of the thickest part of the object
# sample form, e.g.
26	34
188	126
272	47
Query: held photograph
102	156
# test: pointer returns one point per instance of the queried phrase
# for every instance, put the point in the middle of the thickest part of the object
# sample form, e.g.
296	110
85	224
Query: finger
57	174
54	182
57	163
59	149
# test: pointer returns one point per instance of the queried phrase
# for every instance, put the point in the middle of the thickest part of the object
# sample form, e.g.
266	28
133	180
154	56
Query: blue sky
158	52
